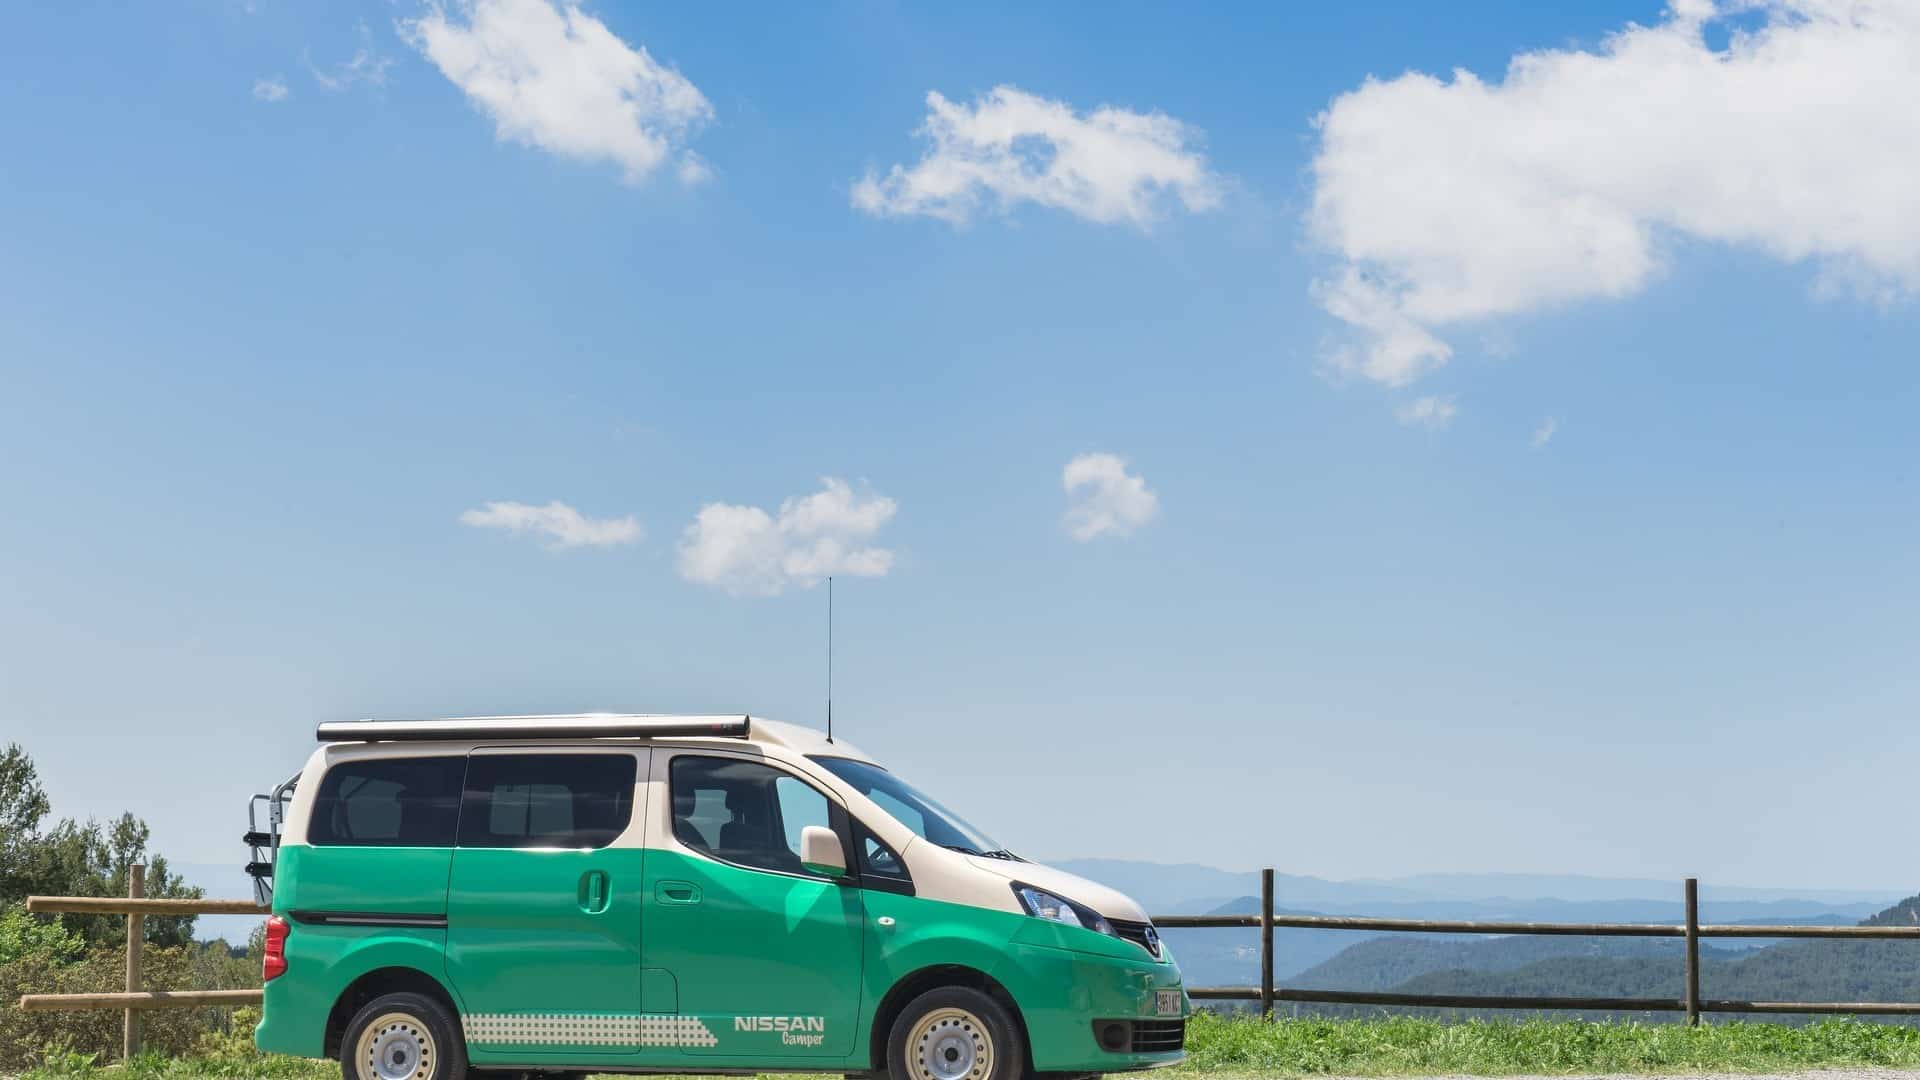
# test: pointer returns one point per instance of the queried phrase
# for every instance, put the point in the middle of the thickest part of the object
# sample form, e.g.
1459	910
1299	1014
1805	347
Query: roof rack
582	726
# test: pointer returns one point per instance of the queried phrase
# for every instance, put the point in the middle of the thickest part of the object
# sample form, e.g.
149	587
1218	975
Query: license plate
1166	1002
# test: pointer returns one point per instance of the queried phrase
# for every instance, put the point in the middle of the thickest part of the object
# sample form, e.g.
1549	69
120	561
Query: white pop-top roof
793	737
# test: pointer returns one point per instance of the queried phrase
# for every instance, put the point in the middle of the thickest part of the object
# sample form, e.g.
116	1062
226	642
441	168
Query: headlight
1042	904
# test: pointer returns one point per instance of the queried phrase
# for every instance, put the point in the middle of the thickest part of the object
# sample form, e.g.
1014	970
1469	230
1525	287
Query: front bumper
1062	992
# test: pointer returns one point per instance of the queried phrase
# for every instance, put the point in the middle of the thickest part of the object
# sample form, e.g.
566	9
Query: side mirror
820	851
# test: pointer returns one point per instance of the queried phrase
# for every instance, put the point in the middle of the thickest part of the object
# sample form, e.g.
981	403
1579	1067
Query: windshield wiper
996	853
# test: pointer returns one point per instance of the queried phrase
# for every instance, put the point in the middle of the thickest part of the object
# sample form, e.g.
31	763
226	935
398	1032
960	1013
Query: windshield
928	819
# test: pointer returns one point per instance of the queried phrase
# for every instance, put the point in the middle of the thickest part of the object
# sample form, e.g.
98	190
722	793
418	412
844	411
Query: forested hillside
1590	967
1375	961
1387	963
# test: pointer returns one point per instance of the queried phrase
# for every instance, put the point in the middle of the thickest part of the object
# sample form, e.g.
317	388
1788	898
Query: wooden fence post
1266	944
136	937
1693	951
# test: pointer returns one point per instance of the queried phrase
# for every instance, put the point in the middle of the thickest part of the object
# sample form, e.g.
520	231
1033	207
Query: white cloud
749	552
552	76
1111	165
270	90
1449	201
693	169
561	525
1103	498
367	65
1543	434
1433	412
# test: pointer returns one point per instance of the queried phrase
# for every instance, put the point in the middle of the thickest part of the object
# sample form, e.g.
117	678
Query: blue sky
281	300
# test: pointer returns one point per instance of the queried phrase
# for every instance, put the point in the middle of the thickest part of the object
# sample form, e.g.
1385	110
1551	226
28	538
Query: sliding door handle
596	892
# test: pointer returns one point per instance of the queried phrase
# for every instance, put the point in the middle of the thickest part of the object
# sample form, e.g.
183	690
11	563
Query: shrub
25	1036
21	935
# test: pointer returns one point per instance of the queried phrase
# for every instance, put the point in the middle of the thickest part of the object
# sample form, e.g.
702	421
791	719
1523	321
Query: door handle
676	892
595	895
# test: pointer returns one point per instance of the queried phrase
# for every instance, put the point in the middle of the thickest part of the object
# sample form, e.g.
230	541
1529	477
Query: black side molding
369	918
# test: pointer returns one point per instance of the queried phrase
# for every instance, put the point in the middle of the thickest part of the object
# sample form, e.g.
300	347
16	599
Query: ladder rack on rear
263	844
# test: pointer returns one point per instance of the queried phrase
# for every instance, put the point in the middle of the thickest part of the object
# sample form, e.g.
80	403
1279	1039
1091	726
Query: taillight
274	963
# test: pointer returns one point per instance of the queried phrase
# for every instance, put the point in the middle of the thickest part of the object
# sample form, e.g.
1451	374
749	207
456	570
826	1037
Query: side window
743	812
546	800
800	806
388	802
878	862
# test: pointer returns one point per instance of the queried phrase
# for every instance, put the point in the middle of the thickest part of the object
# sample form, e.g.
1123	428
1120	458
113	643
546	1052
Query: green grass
1403	1046
1383	1047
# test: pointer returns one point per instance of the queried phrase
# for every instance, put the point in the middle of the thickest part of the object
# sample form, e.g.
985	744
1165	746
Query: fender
298	1004
910	935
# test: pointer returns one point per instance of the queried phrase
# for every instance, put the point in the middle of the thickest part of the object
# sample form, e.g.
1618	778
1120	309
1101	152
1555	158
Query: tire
955	1033
395	1031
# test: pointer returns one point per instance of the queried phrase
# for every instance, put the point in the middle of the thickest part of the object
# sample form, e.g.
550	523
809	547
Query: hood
1111	903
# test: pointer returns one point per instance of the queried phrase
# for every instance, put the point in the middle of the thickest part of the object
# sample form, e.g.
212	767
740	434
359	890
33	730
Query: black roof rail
582	726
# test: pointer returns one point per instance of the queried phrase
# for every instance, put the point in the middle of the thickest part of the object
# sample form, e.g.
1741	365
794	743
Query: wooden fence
1692	930
136	907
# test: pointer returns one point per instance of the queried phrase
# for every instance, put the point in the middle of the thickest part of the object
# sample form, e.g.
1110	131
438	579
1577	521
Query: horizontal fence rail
113	905
1443	926
140	999
136	906
1691	931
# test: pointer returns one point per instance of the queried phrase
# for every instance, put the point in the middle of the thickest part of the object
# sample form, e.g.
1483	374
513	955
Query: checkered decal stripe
587	1029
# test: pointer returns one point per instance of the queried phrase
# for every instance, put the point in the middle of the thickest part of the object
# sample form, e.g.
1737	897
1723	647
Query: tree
75	859
23	806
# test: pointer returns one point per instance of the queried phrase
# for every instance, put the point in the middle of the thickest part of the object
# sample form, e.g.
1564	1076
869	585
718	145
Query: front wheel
403	1037
955	1033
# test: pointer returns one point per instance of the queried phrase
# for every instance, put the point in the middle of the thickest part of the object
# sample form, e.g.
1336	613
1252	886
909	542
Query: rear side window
547	800
388	802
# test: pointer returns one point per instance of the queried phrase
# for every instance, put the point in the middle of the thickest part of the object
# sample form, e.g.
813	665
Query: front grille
1140	1036
1140	933
1158	1036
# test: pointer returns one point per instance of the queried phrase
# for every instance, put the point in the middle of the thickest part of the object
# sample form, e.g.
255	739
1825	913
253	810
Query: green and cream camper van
548	896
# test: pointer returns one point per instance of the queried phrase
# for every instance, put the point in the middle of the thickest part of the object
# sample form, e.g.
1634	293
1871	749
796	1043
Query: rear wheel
955	1033
403	1037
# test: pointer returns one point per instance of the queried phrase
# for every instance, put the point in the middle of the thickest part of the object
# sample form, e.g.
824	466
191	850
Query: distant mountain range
1189	888
1579	887
1345	959
1791	971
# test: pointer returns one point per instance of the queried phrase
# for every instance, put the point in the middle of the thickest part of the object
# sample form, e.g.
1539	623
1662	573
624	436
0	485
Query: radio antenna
829	657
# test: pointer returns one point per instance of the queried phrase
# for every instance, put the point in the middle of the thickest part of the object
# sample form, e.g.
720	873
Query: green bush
26	1036
22	934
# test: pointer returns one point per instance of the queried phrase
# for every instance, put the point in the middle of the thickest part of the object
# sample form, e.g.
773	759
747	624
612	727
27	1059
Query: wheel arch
373	984
933	977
